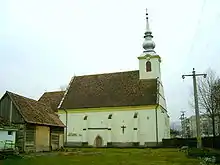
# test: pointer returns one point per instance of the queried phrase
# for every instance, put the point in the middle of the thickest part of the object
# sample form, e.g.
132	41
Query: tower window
148	66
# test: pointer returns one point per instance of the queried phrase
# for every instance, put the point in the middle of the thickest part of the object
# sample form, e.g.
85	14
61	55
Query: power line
197	27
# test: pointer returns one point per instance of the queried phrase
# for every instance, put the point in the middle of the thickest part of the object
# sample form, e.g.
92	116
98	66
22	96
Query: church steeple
148	43
149	61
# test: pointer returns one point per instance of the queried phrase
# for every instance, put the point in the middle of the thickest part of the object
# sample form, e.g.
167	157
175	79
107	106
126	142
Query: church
119	109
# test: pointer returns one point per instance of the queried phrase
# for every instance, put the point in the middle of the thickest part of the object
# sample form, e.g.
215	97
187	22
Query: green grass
107	157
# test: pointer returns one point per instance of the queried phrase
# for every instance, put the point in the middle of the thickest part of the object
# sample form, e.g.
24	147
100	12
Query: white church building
118	109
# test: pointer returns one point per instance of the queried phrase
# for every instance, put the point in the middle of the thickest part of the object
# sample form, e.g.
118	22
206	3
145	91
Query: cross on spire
148	43
147	22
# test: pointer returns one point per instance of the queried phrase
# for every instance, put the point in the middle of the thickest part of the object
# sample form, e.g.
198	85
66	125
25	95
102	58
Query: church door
98	141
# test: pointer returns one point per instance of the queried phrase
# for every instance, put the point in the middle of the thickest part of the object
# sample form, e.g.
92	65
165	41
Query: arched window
85	117
135	115
148	66
110	116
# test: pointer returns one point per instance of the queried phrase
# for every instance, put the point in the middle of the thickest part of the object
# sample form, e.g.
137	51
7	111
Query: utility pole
182	117
198	132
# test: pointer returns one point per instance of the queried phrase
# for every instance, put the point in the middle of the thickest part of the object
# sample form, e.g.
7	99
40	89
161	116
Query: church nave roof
110	90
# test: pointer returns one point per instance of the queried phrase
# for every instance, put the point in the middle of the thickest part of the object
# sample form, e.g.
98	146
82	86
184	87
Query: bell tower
149	61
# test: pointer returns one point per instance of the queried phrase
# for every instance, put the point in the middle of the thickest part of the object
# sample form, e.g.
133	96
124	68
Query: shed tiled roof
110	90
35	112
52	99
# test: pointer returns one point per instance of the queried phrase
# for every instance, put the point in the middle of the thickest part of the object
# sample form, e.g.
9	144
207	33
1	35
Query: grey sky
44	43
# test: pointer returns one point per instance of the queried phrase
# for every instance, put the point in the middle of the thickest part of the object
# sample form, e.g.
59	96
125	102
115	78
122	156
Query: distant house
7	135
40	129
189	126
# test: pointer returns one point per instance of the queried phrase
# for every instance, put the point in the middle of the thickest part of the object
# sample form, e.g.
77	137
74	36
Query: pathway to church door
98	141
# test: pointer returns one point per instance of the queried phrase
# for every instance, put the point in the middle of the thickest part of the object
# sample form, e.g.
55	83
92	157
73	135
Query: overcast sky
44	43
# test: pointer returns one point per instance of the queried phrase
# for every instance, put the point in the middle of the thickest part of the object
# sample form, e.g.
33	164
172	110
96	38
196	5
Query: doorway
98	141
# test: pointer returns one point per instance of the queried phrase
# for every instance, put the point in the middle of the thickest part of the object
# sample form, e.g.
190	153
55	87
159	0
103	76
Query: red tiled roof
110	90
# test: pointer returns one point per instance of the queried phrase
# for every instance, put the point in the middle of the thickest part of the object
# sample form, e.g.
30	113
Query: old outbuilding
39	127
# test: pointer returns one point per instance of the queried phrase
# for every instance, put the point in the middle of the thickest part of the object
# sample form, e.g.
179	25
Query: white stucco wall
146	126
4	136
163	124
163	118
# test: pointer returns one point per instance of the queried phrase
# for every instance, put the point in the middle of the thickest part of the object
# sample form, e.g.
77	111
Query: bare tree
208	98
216	95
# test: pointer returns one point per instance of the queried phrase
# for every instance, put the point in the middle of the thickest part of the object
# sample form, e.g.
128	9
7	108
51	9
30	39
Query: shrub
204	154
208	161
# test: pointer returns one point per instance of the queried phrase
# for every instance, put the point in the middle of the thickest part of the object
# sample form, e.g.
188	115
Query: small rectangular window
135	115
85	117
110	116
9	132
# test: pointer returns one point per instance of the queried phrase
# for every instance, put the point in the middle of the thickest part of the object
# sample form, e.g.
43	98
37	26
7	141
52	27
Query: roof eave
46	124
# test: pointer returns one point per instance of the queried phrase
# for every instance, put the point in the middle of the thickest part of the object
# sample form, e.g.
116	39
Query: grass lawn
107	157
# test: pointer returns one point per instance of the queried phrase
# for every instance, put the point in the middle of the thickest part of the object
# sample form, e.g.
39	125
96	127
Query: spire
148	44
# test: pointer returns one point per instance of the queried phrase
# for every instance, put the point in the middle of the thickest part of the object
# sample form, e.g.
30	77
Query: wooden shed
39	127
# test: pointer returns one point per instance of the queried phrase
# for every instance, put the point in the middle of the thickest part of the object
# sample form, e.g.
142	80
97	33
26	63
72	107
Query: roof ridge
47	93
21	96
106	73
109	90
53	92
29	99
